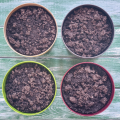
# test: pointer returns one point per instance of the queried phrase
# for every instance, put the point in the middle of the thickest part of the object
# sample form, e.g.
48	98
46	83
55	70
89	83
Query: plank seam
73	57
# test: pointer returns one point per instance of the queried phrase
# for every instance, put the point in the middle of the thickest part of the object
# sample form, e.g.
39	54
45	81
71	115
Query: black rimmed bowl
87	31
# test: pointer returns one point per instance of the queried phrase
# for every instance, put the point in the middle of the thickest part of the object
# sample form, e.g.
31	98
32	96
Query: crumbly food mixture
86	89
31	30
87	31
30	88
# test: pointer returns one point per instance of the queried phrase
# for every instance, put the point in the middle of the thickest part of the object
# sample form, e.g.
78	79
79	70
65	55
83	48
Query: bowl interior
4	83
112	91
8	17
97	8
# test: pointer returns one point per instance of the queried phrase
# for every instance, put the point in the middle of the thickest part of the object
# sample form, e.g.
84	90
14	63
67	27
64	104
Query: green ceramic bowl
4	93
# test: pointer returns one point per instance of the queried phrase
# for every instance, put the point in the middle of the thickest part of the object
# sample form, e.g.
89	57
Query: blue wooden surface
59	60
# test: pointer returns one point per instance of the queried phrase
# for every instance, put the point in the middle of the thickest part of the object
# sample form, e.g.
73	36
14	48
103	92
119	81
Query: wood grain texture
58	110
59	49
60	8
60	65
59	59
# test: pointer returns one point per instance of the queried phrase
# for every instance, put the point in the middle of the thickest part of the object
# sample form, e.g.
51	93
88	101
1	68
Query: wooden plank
59	59
58	110
59	49
60	65
60	8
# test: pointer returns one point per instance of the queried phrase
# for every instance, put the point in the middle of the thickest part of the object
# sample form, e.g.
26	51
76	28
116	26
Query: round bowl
66	22
13	11
111	96
4	92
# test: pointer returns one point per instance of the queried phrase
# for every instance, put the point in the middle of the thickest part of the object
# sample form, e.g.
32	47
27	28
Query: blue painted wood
59	60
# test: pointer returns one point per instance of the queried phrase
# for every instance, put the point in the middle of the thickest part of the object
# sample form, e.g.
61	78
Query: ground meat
31	30
87	31
27	90
88	90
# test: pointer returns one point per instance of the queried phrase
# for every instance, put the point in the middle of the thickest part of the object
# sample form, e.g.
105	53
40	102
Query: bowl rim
15	9
99	8
112	92
4	83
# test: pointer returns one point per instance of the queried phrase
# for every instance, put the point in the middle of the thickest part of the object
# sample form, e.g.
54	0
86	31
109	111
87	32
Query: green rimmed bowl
4	92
